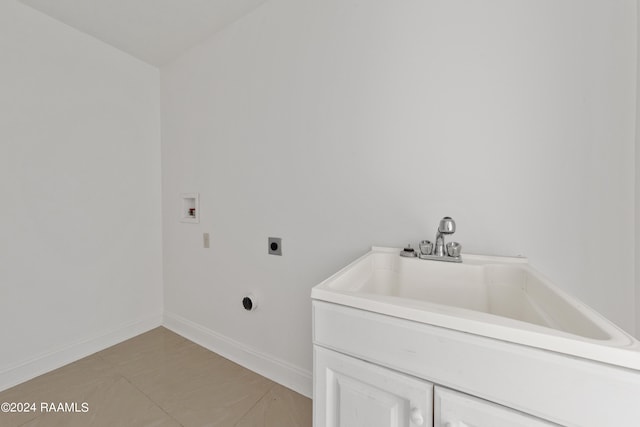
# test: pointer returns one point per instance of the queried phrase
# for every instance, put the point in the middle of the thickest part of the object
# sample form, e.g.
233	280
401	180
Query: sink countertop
496	297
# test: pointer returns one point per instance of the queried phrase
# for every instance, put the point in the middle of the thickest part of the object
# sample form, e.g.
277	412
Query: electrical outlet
275	246
205	240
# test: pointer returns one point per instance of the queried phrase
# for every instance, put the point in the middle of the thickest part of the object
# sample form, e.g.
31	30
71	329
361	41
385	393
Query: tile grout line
151	400
160	406
41	415
29	421
121	375
255	404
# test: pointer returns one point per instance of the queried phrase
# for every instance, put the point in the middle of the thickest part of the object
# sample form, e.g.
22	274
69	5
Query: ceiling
156	31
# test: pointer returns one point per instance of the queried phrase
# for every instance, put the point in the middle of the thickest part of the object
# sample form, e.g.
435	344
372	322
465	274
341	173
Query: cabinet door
454	409
349	392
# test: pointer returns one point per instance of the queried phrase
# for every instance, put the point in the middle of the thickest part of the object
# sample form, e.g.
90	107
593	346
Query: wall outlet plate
275	246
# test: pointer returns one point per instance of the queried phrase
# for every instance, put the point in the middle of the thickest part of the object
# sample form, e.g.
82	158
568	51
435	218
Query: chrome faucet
447	226
441	251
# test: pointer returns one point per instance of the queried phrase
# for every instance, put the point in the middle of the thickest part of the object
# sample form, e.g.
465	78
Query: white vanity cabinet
454	409
353	393
374	370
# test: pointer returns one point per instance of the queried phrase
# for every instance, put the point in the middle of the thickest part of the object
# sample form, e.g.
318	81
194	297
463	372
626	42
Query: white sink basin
496	297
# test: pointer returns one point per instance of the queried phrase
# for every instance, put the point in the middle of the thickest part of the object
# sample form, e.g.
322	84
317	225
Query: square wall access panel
190	211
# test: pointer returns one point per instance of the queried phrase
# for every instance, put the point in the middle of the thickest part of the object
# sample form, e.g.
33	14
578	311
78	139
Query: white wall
80	229
637	178
342	124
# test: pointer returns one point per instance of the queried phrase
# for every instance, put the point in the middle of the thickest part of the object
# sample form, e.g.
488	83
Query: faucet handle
426	247
454	249
447	225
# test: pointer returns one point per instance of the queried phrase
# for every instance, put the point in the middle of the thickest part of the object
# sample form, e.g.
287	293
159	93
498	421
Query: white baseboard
277	370
57	358
282	372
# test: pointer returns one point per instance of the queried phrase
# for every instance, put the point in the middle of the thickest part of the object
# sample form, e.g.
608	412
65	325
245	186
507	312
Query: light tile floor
158	379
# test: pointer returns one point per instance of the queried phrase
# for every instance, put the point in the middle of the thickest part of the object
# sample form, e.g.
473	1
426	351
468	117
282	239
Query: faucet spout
447	226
